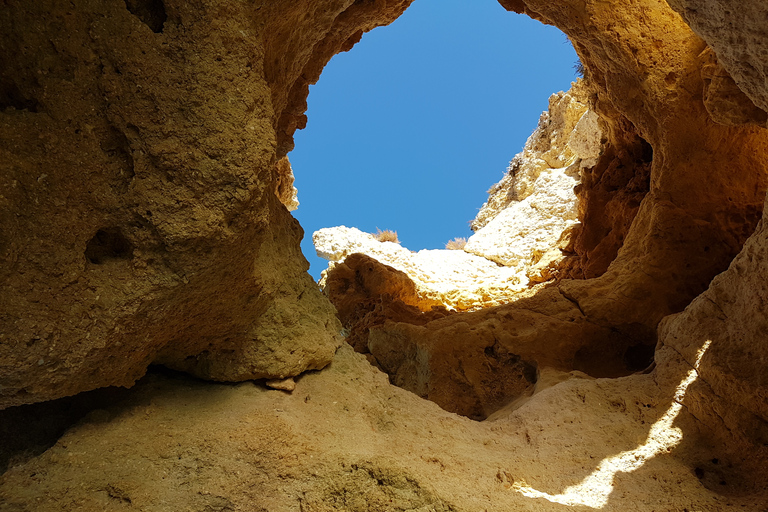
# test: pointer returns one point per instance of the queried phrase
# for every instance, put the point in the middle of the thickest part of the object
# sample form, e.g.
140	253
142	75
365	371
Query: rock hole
391	105
639	357
108	245
150	12
12	97
29	430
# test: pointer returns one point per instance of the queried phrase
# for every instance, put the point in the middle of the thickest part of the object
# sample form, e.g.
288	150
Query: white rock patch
517	230
456	278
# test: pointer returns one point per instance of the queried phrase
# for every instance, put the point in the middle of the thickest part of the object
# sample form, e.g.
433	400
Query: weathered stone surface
609	197
347	440
456	279
731	317
475	363
687	229
736	31
284	189
216	267
365	292
531	208
139	219
547	151
725	102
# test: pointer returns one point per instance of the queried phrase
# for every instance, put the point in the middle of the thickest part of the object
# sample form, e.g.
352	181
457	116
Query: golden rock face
138	168
140	224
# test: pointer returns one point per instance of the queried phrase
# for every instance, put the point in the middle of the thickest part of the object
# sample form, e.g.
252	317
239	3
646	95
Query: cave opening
409	129
407	132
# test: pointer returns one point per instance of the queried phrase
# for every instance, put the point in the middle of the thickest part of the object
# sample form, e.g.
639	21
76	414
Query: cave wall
137	169
671	200
737	33
132	233
707	180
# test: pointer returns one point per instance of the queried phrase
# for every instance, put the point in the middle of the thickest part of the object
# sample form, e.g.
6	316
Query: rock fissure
573	301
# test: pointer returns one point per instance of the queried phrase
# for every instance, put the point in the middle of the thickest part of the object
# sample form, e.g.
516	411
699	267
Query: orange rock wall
707	181
671	201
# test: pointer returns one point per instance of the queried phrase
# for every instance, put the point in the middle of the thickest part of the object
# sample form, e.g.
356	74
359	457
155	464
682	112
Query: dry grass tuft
457	244
386	236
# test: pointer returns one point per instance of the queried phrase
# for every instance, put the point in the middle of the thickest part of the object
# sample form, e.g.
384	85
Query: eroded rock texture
730	320
139	216
665	205
346	440
454	278
737	33
532	214
133	232
707	181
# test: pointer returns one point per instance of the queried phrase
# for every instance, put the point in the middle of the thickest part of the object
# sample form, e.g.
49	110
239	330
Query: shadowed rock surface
138	170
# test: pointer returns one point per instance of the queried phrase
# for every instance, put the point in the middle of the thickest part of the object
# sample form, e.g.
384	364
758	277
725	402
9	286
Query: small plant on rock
386	236
457	244
578	67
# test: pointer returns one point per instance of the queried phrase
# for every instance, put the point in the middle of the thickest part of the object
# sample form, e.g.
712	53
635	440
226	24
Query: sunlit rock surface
454	278
527	221
676	192
347	440
685	229
553	147
285	191
524	230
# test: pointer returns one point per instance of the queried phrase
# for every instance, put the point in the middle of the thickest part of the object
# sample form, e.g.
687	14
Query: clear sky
409	129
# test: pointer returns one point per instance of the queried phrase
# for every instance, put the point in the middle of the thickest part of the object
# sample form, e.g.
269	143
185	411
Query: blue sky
409	129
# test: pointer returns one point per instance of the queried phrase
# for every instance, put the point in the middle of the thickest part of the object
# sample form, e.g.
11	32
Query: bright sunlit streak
596	488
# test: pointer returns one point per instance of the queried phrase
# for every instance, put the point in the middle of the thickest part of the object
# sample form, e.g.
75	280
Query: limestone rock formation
346	440
652	79
725	102
534	206
729	319
137	169
566	134
133	233
455	279
737	33
475	363
285	190
656	212
526	225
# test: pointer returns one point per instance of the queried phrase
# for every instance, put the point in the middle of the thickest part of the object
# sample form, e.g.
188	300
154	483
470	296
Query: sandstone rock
282	384
725	102
365	292
527	228
586	139
651	79
212	281
474	363
285	190
731	395
347	440
737	34
547	151
455	279
139	142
